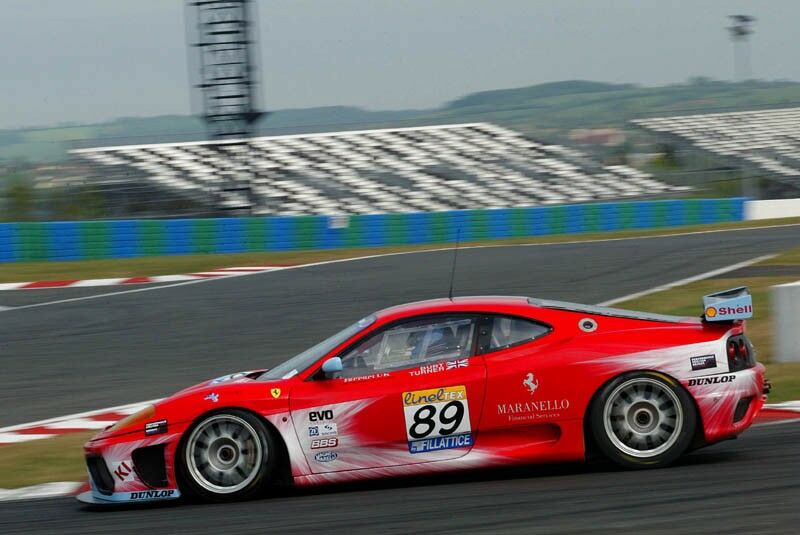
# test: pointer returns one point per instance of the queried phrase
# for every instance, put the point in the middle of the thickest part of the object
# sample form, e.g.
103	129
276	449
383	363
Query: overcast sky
92	60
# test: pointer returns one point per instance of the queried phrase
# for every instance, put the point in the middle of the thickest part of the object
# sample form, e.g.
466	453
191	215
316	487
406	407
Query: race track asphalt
87	354
136	345
750	485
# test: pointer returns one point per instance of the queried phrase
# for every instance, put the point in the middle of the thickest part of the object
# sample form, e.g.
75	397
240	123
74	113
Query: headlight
134	419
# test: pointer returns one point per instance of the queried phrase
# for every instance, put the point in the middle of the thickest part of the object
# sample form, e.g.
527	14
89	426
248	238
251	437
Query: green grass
41	461
170	265
787	258
686	300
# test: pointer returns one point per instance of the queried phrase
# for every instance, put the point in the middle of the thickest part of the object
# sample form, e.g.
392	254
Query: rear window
501	332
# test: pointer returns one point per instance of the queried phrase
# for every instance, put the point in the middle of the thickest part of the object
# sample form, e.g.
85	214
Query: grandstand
431	168
768	140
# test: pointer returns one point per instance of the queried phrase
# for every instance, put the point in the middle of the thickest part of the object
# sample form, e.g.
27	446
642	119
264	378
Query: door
410	392
530	402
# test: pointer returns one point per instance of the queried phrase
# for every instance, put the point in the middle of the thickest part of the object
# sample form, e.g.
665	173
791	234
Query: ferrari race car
447	384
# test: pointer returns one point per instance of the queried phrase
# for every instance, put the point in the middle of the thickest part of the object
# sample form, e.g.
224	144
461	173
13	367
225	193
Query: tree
20	201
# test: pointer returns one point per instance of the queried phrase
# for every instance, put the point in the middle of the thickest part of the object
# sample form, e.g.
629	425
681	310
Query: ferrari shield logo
276	392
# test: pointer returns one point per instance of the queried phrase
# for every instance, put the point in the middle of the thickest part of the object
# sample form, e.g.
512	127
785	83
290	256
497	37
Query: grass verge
41	461
171	265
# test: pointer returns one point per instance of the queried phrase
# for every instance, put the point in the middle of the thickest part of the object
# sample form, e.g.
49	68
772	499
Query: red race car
447	384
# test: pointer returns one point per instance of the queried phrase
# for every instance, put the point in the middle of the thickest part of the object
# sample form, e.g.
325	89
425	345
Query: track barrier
785	305
772	209
82	240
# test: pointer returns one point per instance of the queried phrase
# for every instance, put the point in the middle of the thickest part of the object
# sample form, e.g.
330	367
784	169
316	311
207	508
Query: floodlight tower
224	39
740	32
222	32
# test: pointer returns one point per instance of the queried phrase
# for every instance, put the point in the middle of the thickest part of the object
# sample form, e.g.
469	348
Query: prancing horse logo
530	383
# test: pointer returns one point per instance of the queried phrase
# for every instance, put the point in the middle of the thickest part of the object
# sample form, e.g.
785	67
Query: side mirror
332	367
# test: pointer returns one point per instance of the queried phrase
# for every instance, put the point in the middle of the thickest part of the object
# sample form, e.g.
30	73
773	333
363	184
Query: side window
411	344
500	332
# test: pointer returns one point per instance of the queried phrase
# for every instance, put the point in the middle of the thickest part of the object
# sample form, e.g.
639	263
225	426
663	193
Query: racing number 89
425	422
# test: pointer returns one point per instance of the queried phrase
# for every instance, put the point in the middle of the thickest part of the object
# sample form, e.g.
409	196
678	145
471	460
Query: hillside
545	110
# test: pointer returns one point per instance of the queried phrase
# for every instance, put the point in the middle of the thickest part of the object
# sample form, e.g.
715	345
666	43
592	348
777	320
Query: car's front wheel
643	420
226	456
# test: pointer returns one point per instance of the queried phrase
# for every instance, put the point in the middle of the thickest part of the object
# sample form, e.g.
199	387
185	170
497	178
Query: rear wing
729	305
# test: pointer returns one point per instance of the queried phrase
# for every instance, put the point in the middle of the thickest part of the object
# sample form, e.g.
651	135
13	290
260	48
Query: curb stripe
45	490
85	283
97	282
136	280
48	284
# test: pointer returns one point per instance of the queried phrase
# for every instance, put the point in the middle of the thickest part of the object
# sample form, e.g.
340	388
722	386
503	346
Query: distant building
608	137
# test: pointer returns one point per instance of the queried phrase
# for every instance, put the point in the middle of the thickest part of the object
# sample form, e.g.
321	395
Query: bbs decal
319	443
437	419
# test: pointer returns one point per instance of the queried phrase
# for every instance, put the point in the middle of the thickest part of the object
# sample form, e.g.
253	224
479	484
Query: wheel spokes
224	454
643	417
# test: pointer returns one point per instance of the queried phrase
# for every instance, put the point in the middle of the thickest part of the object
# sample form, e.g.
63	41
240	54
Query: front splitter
127	498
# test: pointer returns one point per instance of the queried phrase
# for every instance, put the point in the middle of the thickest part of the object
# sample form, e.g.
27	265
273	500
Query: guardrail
79	240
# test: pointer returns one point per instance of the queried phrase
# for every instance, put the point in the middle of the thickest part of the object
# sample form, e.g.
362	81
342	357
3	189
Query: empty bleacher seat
475	165
766	139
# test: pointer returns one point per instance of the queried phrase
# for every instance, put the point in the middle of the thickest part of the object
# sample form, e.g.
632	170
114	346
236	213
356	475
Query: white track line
110	294
687	280
399	253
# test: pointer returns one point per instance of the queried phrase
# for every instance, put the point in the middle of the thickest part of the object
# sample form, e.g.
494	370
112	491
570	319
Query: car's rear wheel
226	456
643	420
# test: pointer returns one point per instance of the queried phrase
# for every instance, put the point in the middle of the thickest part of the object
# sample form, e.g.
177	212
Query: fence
73	240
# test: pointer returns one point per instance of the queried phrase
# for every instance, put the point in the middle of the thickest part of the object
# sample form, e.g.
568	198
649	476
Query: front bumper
131	469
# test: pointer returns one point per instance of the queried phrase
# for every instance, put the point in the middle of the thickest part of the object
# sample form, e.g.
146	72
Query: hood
188	403
231	378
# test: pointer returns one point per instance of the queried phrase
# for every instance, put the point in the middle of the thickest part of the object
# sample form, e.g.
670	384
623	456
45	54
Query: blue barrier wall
77	240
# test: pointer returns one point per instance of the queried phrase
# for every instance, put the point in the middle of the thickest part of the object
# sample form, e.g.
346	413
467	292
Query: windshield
300	362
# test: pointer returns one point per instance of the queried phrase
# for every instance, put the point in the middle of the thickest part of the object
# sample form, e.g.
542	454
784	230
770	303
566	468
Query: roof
491	302
606	311
444	304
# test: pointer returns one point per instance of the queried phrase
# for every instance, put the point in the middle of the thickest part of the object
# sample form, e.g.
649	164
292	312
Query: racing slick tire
643	420
226	456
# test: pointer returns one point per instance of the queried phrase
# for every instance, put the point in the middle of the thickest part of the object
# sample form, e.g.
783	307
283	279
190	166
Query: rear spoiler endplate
728	305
